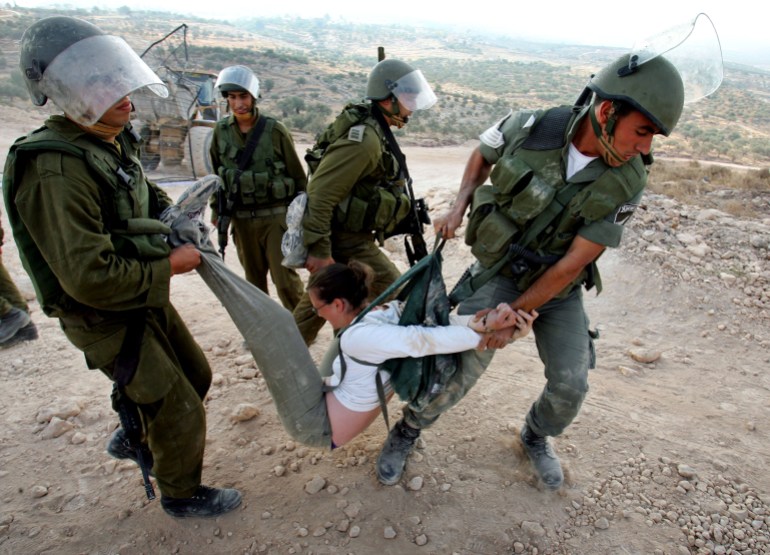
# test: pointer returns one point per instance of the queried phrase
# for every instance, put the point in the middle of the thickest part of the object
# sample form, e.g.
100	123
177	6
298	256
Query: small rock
389	533
355	531
533	529
279	470
644	355
601	524
421	540
686	471
78	438
39	491
315	485
415	484
243	412
56	427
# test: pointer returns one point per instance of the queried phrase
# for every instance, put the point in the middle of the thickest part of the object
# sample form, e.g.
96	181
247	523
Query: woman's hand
488	322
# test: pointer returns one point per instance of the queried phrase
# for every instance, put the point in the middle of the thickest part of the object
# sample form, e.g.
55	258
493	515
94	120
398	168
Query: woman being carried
339	293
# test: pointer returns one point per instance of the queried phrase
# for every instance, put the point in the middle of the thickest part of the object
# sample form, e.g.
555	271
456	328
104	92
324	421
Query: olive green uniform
10	296
604	201
347	194
267	185
88	236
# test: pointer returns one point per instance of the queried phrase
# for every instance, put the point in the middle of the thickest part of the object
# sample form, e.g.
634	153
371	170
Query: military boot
543	458
16	326
205	502
392	459
119	448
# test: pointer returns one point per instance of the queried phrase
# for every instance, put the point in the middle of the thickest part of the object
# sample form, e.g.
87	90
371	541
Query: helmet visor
413	91
694	49
90	76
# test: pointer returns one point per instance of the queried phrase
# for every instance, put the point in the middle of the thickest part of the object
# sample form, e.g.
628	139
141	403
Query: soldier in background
255	157
357	192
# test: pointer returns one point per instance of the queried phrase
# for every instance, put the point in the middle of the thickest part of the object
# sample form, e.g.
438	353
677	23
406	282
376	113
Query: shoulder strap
245	157
392	143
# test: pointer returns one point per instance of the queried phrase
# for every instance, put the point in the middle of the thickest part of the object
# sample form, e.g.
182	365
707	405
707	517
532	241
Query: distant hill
310	68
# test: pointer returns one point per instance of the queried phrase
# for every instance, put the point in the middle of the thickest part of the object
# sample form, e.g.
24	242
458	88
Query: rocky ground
667	456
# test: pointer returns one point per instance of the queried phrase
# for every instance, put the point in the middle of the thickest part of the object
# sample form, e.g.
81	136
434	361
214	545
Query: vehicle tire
198	144
150	151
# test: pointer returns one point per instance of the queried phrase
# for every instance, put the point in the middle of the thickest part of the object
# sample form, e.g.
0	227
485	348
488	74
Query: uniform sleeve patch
493	137
356	133
624	213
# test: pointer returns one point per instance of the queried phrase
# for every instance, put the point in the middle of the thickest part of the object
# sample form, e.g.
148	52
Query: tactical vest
377	202
526	180
265	181
129	206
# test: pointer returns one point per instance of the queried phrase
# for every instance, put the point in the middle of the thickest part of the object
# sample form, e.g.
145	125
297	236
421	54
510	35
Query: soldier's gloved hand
184	259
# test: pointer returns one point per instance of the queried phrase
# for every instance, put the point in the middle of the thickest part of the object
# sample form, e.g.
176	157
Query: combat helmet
83	70
655	88
237	78
396	78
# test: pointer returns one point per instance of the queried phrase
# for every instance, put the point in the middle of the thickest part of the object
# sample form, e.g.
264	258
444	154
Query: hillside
311	68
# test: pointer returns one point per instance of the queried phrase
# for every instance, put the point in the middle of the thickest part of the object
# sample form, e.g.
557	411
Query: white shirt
576	160
377	338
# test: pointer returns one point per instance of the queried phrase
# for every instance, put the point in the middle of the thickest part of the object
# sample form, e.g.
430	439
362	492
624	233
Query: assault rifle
128	413
224	215
412	227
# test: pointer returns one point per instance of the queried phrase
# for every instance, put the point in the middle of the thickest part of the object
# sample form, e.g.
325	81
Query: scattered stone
39	491
686	471
56	427
533	529
279	470
421	540
244	412
389	533
627	371
62	410
601	524
415	484
78	438
315	485
355	531
645	356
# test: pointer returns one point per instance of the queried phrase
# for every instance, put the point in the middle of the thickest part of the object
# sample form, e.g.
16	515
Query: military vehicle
177	130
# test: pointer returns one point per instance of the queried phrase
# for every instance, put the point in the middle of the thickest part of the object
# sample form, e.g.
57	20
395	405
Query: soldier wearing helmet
258	187
85	219
564	183
356	193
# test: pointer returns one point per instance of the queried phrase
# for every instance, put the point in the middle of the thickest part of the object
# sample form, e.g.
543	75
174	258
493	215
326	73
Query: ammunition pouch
373	208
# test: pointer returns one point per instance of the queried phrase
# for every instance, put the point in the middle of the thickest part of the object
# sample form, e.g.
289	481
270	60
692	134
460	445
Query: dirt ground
668	455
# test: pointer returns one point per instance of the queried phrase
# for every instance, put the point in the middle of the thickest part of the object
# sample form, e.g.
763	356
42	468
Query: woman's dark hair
343	281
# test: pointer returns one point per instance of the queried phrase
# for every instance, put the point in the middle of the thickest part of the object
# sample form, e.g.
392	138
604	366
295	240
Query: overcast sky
742	29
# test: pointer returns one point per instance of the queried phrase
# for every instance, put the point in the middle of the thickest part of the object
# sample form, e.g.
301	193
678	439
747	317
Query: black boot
543	458
205	502
392	459
119	448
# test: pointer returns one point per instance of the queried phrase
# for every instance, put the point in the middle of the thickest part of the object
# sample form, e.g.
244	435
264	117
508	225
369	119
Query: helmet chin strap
394	113
609	154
